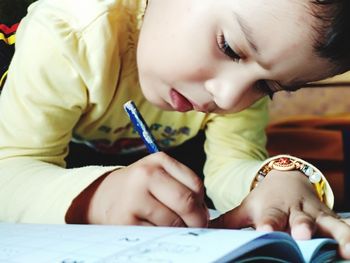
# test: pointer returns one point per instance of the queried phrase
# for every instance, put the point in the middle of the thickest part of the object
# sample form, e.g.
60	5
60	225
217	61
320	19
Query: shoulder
80	14
73	23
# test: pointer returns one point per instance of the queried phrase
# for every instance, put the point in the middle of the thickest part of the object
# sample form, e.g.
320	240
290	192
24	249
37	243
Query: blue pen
141	126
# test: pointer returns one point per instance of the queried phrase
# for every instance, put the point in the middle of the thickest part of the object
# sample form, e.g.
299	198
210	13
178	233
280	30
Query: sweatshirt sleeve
235	148
39	107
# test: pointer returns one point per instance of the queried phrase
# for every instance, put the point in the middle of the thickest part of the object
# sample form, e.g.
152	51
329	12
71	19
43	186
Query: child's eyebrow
247	31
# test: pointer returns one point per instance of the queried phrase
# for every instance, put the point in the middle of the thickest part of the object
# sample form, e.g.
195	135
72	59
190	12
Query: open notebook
97	243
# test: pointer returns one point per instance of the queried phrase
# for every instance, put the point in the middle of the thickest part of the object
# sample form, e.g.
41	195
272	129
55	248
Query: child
74	67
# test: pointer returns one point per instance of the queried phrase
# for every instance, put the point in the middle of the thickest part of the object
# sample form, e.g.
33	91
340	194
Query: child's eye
226	49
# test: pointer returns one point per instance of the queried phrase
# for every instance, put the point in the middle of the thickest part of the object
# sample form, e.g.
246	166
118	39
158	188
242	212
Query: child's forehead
286	20
283	30
299	12
276	9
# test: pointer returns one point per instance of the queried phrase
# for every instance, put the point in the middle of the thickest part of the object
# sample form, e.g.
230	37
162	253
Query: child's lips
179	102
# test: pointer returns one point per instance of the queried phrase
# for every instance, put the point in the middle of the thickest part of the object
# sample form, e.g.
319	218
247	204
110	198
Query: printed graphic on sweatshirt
165	135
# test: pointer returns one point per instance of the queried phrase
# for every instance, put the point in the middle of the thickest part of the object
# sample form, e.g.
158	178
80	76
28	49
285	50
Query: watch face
283	164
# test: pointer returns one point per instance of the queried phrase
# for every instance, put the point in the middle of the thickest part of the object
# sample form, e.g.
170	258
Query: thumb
235	218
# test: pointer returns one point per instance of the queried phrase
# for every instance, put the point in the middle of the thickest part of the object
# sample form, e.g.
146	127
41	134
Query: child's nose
222	91
228	90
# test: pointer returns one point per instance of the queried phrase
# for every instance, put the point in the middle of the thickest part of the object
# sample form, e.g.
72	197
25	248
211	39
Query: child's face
209	55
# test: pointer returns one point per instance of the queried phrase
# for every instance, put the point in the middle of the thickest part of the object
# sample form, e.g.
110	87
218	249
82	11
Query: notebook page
308	247
91	243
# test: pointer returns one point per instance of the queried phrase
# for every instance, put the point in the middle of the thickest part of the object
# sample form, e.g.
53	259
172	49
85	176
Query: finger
235	218
179	198
273	219
302	225
180	172
331	226
157	214
131	220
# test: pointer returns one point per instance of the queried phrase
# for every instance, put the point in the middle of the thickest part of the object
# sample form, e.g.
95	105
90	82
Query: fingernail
301	232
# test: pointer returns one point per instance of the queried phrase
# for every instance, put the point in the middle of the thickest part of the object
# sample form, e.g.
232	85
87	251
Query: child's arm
287	202
41	102
235	148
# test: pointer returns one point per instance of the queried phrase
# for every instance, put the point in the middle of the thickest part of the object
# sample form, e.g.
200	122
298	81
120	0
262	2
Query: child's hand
286	201
156	190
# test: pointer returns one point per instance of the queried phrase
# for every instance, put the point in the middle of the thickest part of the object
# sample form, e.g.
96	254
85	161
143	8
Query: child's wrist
290	163
78	211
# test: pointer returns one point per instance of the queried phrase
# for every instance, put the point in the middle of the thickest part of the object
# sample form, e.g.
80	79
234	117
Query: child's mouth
179	102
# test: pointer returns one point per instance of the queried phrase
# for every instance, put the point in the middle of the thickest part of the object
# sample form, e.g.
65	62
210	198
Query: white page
90	243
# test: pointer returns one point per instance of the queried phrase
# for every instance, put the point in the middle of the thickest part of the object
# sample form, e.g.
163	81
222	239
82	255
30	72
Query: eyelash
263	86
226	49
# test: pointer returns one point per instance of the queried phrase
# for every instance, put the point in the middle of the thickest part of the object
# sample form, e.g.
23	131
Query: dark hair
333	40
